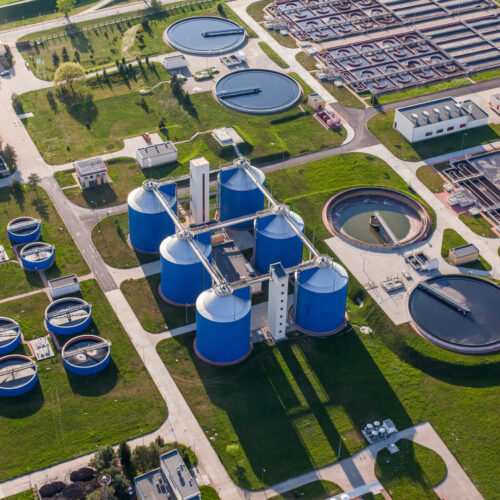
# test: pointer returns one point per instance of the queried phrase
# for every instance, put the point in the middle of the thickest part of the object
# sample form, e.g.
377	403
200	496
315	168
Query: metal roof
149	486
278	227
222	308
156	150
464	250
240	180
90	166
179	251
147	202
327	279
63	281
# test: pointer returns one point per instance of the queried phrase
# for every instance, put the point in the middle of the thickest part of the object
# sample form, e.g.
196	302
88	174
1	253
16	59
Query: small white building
91	173
315	101
157	154
65	285
437	118
494	102
174	62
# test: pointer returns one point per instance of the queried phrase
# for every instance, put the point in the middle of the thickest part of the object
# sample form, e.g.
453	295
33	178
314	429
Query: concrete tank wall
37	265
10	345
69	329
86	370
18	390
28	236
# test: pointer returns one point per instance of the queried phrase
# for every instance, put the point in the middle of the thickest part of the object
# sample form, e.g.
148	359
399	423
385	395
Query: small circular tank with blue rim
68	316
18	375
86	355
24	229
37	256
10	335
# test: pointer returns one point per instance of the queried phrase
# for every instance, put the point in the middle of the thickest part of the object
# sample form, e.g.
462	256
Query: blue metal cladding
238	195
149	223
183	276
277	242
321	299
91	368
222	328
28	236
8	345
40	264
17	387
70	329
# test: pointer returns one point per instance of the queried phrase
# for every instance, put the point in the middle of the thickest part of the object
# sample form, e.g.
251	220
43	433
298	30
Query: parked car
130	491
146	137
5	73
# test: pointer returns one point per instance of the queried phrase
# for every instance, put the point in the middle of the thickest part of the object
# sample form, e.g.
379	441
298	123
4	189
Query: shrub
51	489
84	474
74	491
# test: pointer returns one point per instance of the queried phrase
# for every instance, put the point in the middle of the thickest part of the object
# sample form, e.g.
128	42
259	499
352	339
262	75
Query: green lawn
306	60
66	415
381	126
317	490
14	280
411	473
25	495
478	224
154	314
343	95
451	239
272	55
256	10
285	40
65	178
430	178
5	2
486	75
208	493
98	117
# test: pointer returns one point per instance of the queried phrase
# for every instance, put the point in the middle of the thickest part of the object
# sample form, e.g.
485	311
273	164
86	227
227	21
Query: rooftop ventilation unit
437	111
414	116
426	114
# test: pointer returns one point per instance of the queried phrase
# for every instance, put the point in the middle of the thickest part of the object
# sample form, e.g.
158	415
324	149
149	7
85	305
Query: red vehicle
146	137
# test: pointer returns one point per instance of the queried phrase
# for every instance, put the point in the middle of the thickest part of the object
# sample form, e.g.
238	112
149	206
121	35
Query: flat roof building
64	285
156	154
91	173
463	254
437	118
174	62
315	101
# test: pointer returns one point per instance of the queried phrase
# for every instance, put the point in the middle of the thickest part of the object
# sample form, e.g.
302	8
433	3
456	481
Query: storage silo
24	229
19	374
183	276
37	256
222	326
149	223
321	298
276	241
68	316
86	355
239	196
10	335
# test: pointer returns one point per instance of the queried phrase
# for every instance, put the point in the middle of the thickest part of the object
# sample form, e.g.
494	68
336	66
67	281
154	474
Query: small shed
157	154
91	173
463	254
174	62
316	101
64	285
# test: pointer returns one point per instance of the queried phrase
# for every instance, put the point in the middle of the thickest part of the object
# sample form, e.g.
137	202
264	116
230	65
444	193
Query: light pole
262	476
463	138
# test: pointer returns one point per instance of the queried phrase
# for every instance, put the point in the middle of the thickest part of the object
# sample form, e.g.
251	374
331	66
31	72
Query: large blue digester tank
276	241
19	375
223	325
149	222
37	256
239	196
321	298
10	335
183	276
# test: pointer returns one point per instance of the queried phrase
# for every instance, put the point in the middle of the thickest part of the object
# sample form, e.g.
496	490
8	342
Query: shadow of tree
80	105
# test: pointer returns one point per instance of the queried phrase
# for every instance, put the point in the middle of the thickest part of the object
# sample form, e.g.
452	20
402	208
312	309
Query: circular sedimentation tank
239	196
457	312
24	229
205	35
223	326
258	91
10	335
18	375
183	276
37	256
68	316
86	355
149	222
276	241
374	217
321	298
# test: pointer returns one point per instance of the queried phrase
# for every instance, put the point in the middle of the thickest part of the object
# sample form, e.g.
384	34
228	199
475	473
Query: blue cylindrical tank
20	381
37	256
24	229
68	316
276	241
10	335
239	196
183	276
149	223
86	355
222	327
321	298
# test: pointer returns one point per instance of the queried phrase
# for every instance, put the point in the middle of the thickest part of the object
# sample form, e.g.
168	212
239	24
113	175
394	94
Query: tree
155	5
10	157
55	59
103	459
64	54
66	6
33	180
125	454
69	71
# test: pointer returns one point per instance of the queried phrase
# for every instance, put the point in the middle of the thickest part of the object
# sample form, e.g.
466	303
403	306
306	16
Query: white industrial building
157	154
91	173
437	118
174	62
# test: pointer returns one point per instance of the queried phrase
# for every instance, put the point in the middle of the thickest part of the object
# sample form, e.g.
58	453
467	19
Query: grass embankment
256	10
430	178
317	490
14	280
478	224
96	118
343	95
486	75
411	473
67	415
272	55
286	407
381	125
208	493
307	61
451	239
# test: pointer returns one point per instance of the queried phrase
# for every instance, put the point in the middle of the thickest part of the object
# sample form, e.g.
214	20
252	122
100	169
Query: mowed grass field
288	406
67	415
98	116
451	239
13	279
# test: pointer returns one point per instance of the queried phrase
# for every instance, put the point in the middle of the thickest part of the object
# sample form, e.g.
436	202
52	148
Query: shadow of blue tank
68	316
24	229
37	256
321	298
10	335
22	380
80	361
276	241
149	223
223	326
239	196
183	276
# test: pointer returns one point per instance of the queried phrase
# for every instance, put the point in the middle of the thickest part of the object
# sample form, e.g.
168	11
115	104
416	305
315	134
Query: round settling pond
205	35
10	335
86	355
258	91
18	375
68	316
376	217
458	313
